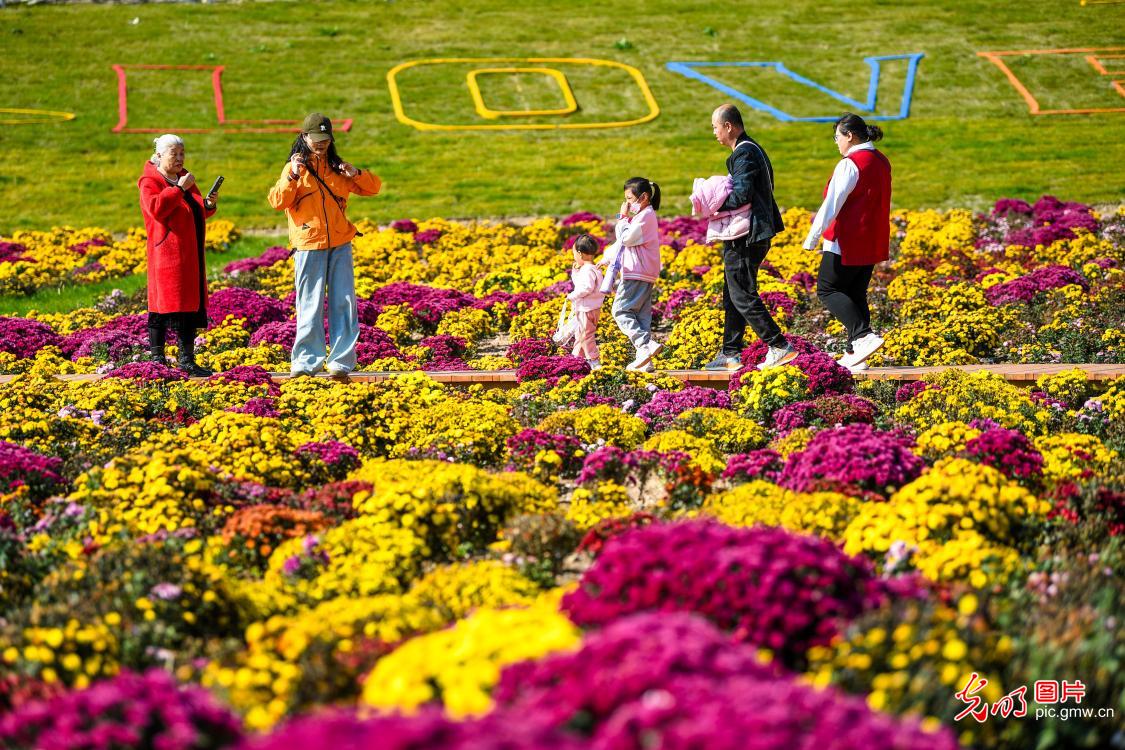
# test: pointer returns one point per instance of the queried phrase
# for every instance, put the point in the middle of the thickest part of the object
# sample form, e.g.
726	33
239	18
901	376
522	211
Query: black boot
186	357
156	335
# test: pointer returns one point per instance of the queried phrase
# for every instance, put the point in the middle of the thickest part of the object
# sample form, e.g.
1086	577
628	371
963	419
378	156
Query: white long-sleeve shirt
843	182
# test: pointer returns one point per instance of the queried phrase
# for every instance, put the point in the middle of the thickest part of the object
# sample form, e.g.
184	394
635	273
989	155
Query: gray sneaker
724	362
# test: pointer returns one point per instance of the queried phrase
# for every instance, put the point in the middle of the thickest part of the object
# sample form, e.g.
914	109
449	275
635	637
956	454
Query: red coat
862	229
175	283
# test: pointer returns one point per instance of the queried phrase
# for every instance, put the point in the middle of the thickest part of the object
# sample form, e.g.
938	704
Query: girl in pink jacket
587	298
638	255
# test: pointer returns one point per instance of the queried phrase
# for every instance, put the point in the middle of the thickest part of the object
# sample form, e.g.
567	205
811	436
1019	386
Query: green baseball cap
318	127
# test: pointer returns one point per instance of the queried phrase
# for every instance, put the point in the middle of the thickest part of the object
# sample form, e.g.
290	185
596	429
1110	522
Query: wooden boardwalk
1018	374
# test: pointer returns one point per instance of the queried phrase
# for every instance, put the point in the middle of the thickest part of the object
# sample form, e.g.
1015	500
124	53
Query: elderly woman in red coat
174	212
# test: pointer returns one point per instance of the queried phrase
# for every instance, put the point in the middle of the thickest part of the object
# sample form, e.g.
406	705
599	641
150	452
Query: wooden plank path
1019	374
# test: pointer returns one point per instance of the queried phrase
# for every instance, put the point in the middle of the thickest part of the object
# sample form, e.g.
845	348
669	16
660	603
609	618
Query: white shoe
594	364
645	355
778	356
646	367
858	367
862	349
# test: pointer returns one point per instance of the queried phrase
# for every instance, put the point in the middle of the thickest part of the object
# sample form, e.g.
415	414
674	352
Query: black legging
158	324
843	290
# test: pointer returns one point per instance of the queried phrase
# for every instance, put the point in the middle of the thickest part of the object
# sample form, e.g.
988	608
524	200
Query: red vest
862	229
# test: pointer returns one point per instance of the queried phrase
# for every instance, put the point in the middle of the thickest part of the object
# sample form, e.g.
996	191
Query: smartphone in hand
215	188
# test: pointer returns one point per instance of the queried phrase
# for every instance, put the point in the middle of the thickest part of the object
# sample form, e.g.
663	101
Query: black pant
742	304
843	290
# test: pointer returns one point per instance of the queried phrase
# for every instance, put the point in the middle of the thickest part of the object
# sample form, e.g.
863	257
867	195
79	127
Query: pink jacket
586	295
708	194
639	242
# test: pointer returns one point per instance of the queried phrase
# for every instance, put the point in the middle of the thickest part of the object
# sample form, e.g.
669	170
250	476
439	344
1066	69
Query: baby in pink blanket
708	194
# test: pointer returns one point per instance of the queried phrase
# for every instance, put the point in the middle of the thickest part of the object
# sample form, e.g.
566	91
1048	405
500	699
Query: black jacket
752	175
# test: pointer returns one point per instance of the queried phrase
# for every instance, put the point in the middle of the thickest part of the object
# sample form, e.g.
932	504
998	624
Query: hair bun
874	133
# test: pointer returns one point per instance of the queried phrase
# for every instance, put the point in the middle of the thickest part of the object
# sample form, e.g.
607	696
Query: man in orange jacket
313	191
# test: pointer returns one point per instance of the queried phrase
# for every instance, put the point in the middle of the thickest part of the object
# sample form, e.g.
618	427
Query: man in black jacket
752	177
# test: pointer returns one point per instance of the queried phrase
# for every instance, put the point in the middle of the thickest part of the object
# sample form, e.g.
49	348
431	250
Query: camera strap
338	199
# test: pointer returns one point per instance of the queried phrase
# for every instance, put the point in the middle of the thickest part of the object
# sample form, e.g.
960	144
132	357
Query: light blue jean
317	271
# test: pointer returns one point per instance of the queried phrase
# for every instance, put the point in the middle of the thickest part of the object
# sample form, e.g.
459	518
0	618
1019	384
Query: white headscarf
162	144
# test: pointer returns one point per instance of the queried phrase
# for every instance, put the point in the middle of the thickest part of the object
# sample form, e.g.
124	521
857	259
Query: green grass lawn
75	296
969	139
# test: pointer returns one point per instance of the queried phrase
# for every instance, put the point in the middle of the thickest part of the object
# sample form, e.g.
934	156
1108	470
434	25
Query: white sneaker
645	355
594	364
858	367
646	367
862	349
778	356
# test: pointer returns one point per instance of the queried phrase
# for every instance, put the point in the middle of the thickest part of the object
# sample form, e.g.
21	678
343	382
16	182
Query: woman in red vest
855	220
175	212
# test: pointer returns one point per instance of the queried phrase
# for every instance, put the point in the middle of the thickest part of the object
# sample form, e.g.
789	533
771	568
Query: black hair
302	148
586	245
729	113
850	124
639	186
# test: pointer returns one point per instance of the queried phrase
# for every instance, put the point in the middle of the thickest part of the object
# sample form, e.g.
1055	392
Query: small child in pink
587	298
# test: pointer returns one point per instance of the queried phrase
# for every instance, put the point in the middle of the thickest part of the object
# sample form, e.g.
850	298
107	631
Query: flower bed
34	260
601	559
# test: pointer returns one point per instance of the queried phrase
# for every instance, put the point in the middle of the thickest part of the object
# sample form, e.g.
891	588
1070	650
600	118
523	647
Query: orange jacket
316	220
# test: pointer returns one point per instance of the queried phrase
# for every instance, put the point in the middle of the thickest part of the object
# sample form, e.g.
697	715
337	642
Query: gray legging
632	309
